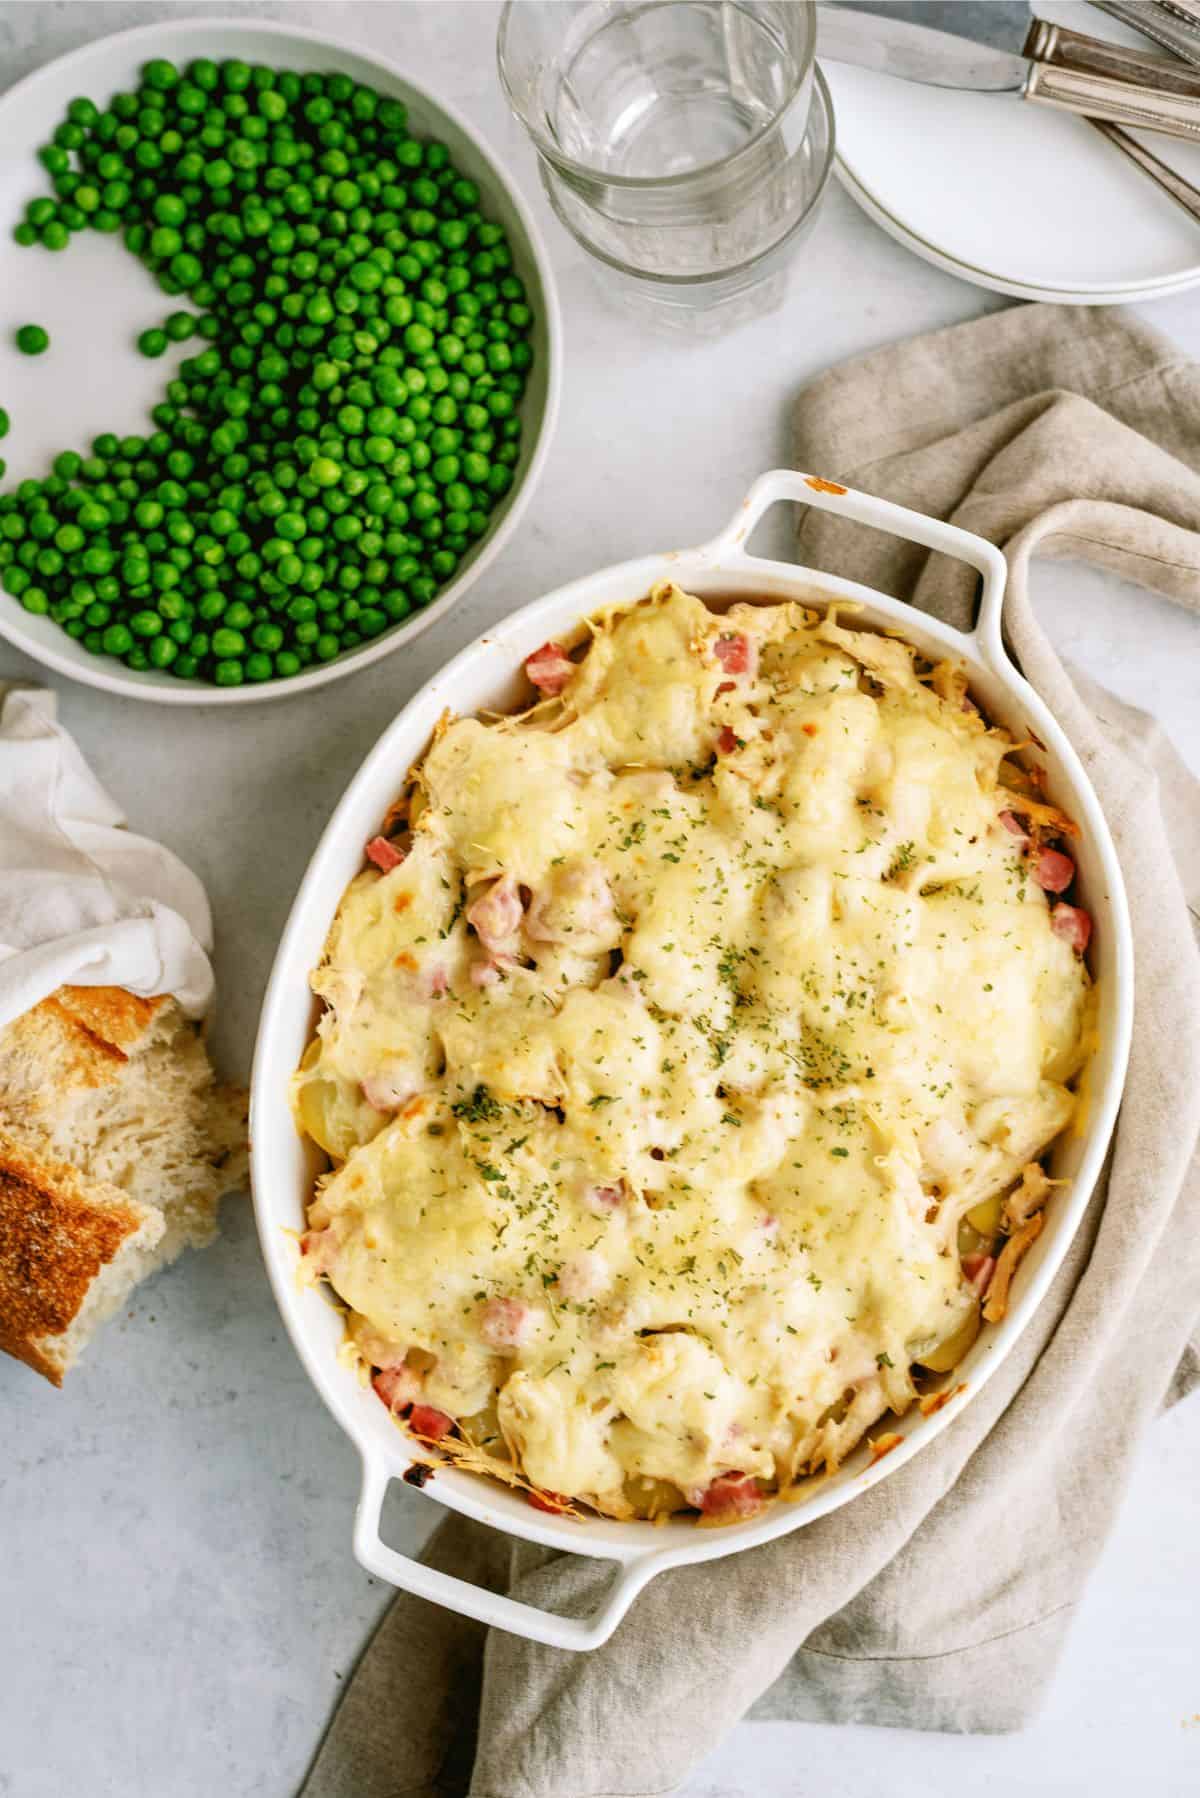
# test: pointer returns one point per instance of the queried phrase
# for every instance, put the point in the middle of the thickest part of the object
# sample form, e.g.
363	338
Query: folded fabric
939	1598
83	901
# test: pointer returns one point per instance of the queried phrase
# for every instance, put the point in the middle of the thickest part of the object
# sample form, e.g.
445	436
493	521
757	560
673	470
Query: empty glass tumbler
684	143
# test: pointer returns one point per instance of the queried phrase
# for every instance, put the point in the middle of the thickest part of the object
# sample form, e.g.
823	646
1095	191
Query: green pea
325	471
32	340
160	74
117	640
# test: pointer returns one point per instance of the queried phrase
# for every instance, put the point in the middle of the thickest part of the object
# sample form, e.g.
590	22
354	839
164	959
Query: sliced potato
652	1499
984	1218
948	1353
333	1115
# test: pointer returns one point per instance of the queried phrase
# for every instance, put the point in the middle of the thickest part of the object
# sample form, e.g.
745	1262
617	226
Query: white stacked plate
1019	198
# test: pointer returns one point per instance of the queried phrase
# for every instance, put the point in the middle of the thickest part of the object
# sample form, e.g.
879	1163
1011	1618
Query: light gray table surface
178	1602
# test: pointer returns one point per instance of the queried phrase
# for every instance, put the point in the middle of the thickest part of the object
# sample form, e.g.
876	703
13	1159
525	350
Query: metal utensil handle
1057	47
490	1608
1172	183
1162	24
1122	102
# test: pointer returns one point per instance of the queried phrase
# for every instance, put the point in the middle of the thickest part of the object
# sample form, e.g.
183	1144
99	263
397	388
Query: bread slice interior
106	1101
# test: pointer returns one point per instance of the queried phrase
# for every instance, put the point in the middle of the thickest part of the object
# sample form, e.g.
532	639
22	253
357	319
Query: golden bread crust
57	1231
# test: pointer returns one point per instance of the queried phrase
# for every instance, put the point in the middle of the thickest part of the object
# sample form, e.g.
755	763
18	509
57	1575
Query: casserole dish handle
490	1608
881	515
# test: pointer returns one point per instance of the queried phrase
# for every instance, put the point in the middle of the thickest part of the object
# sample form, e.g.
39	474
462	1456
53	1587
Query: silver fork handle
1172	183
1175	26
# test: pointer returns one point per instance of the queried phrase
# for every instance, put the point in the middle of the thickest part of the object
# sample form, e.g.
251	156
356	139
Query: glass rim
547	148
821	90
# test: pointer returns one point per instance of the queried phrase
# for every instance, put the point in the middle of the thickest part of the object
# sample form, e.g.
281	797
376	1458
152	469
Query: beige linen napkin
938	1599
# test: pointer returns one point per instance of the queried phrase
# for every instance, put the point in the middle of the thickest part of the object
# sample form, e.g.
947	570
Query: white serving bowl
489	674
97	297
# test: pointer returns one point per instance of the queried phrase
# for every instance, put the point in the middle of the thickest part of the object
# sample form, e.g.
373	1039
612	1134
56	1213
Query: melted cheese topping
667	1140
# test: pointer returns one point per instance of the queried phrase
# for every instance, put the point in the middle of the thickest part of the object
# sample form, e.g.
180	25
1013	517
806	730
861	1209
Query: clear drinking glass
684	143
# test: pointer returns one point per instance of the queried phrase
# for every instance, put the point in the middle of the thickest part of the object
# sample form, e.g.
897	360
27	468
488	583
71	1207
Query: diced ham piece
1073	924
549	668
423	1420
388	1092
317	1247
978	1271
727	742
485	973
396	1386
732	1495
553	1502
384	854
505	1324
1052	870
736	653
1013	824
604	1199
496	914
436	982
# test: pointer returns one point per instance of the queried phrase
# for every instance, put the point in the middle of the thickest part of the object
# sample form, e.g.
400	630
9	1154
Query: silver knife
1081	74
983	54
1049	64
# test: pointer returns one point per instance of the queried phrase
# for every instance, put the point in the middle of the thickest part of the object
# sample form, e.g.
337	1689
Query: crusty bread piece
119	1092
70	1250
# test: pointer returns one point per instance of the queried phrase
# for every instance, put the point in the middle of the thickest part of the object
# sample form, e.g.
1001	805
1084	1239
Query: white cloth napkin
83	901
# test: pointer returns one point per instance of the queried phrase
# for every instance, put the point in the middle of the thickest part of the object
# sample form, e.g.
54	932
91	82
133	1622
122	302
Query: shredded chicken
949	682
1011	1257
1028	1197
1043	817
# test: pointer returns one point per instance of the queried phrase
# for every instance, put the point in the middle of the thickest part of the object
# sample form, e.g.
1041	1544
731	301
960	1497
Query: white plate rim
1086	294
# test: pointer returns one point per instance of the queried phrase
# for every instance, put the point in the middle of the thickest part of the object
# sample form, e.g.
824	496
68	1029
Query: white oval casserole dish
489	675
